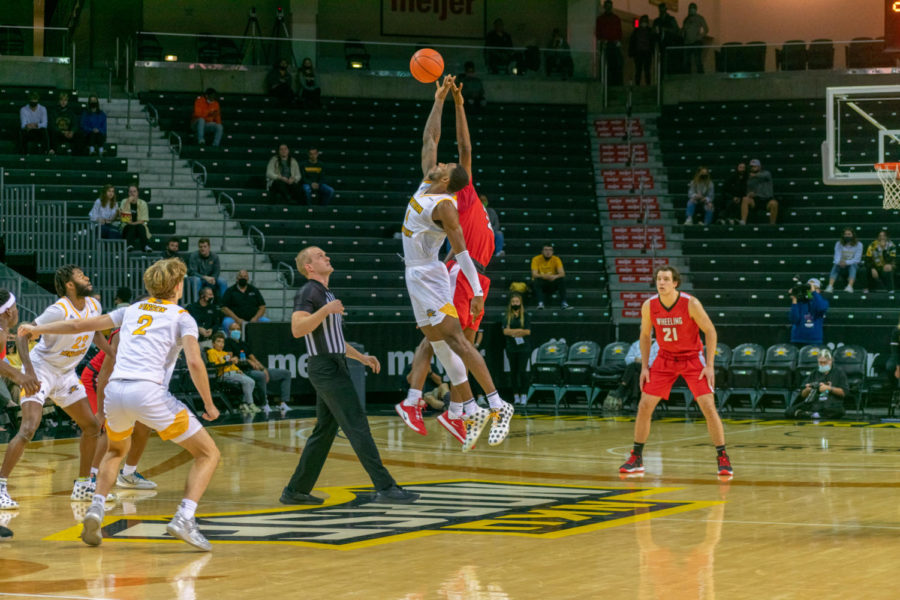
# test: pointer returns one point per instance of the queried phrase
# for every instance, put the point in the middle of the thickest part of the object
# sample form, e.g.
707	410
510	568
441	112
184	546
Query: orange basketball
426	65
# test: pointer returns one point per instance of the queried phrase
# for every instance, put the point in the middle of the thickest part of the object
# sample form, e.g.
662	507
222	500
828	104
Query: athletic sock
98	499
455	410
720	450
2	484
495	401
187	508
78	479
128	469
94	471
638	449
412	397
470	407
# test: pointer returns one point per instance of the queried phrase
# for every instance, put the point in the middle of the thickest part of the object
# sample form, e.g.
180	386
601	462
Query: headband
8	304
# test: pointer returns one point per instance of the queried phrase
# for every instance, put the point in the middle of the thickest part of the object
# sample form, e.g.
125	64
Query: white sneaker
283	407
135	481
849	289
7	503
186	530
90	532
475	424
689	221
266	409
84	490
500	427
829	289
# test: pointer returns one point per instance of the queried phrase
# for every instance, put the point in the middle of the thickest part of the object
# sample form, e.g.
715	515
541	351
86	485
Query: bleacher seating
536	172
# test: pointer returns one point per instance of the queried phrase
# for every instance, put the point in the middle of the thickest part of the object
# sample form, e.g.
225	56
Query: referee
317	319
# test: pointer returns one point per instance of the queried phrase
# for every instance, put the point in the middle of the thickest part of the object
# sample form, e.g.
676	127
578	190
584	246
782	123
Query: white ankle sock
129	469
412	397
455	410
495	401
94	471
98	499
187	508
470	407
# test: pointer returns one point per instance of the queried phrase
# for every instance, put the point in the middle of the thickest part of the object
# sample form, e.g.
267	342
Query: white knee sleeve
452	363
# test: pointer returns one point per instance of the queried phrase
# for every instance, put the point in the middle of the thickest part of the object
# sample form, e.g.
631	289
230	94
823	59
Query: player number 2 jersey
422	237
64	352
150	339
676	332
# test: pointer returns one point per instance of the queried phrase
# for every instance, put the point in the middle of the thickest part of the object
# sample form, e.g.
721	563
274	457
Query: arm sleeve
118	316
468	268
187	326
198	109
22	118
42	118
216	267
307	300
192	264
794	314
94	215
101	124
837	252
857	254
819	304
711	192
271	172
51	314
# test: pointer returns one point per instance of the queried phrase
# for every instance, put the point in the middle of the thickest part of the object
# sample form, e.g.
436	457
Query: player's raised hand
710	373
457	93
443	88
645	378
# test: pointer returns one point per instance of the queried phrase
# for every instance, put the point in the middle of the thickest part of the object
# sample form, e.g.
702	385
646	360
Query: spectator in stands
283	176
693	30
173	250
498	53
207	117
310	92
807	314
559	55
237	346
732	195
760	193
608	29
495	225
701	191
314	179
204	270
823	392
668	34
629	390
243	302
135	218
472	88
640	49
548	276
33	125
229	370
881	258
848	252
105	213
123	297
279	84
92	128
63	125
207	314
516	325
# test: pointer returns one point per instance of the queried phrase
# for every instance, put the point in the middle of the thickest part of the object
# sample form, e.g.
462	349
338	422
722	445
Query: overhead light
356	64
171	58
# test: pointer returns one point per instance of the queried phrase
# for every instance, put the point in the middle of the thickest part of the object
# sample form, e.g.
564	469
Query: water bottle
243	355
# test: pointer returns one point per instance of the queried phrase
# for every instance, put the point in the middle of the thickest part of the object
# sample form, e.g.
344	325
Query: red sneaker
456	427
725	466
412	416
634	464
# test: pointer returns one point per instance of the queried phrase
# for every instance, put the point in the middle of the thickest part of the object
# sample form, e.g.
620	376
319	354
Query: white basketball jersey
422	237
150	339
64	352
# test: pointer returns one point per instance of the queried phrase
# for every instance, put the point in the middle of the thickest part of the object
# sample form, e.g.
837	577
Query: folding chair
744	374
578	368
546	370
778	372
852	360
611	361
807	362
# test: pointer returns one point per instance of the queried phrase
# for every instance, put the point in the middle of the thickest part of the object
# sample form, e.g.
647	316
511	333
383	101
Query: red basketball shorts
89	380
666	370
462	296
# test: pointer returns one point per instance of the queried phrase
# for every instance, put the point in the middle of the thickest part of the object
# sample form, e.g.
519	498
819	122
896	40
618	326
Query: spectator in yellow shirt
230	370
548	276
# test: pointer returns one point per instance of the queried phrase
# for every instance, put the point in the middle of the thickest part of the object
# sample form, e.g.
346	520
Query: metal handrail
262	248
199	178
225	213
174	154
152	121
285	282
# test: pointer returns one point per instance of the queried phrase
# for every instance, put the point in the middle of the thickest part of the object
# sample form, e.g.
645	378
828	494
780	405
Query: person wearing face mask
732	195
33	126
694	29
640	49
310	92
759	193
848	253
823	392
279	83
701	191
93	127
247	361
807	315
516	323
881	257
207	314
243	302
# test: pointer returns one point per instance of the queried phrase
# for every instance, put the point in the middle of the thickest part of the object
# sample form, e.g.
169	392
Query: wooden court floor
811	513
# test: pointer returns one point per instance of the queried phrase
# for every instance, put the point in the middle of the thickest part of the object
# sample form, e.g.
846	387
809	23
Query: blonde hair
304	257
163	276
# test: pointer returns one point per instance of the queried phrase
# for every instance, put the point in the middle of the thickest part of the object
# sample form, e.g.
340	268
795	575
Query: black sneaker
292	497
634	464
5	532
396	495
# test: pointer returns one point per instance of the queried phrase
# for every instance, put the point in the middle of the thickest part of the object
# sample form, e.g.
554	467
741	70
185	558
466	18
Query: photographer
807	315
823	392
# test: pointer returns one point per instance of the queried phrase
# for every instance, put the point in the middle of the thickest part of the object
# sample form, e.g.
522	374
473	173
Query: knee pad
452	363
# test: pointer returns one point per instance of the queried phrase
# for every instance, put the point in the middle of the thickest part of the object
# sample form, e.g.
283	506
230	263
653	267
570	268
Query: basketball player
677	320
51	365
479	240
153	332
94	378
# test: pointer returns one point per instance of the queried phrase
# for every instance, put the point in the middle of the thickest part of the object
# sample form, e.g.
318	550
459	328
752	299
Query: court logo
350	518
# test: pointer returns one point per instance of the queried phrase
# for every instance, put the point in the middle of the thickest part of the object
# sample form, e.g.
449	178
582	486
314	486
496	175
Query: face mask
242	282
93	105
32	104
824	368
692	11
236	334
704	176
516	306
847	240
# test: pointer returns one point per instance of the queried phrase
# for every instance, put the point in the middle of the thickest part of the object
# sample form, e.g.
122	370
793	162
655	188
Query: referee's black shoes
396	495
292	497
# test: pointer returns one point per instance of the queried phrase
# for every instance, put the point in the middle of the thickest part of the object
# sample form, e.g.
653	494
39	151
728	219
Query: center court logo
351	519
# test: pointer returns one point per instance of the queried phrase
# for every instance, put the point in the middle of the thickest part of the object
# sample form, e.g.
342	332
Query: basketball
426	65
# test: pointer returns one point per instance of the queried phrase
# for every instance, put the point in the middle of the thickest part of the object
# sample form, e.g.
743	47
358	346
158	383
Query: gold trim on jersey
449	310
178	426
406	231
118	436
415	205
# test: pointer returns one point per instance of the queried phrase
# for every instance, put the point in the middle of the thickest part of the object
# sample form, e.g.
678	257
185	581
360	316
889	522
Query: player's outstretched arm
432	134
463	141
67	327
197	369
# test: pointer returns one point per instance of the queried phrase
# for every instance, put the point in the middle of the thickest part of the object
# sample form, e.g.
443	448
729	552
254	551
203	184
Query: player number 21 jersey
422	237
676	332
64	352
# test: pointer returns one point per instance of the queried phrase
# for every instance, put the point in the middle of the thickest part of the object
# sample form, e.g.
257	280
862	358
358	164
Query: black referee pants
336	405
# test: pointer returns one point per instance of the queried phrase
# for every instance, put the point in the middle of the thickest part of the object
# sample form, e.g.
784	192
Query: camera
801	290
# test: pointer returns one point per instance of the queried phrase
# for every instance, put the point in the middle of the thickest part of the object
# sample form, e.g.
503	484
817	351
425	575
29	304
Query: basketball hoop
889	174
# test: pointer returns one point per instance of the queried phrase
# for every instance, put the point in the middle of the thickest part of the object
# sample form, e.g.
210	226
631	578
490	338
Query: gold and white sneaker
7	503
500	428
475	424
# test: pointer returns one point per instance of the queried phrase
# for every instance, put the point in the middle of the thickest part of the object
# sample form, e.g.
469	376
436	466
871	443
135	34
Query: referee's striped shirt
328	337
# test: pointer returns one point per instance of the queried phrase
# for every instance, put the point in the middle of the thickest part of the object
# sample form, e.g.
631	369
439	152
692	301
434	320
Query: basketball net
889	174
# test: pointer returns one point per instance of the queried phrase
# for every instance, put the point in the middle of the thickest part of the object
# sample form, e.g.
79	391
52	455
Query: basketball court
812	512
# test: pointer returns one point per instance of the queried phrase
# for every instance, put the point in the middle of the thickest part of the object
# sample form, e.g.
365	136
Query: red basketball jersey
97	362
676	332
475	225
